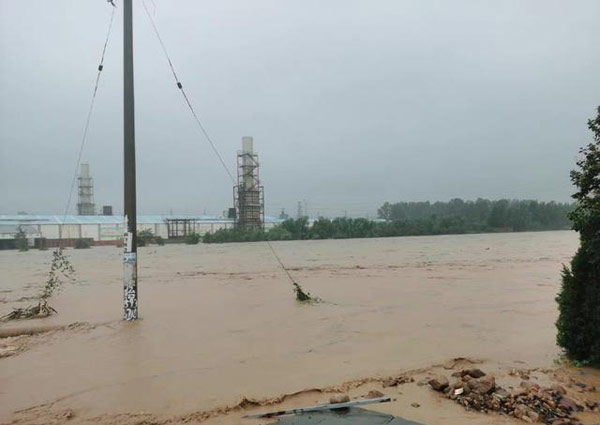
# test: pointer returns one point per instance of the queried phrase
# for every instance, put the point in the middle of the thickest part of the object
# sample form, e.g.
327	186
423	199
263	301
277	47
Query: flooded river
221	321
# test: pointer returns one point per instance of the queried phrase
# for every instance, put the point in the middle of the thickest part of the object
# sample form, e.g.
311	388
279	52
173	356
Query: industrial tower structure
248	195
85	206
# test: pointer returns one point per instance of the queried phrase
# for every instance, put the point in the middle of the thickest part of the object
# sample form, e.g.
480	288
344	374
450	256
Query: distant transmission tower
248	195
85	206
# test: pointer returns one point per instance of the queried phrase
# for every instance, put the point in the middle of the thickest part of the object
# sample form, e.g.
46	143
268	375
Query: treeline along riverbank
415	219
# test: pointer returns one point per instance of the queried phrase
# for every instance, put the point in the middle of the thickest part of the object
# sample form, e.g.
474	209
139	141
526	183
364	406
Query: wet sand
220	321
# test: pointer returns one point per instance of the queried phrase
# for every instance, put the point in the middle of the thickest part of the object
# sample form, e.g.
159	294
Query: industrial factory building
106	230
47	230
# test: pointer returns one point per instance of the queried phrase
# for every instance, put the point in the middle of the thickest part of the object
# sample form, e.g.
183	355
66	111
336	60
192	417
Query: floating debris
302	296
61	267
42	309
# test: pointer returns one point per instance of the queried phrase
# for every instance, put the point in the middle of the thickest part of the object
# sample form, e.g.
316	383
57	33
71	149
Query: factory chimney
248	195
85	206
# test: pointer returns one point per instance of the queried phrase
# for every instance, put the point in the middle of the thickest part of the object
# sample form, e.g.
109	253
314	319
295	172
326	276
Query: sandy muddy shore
219	322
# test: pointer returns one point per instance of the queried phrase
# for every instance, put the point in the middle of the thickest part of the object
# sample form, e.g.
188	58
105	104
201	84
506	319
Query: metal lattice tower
248	195
85	206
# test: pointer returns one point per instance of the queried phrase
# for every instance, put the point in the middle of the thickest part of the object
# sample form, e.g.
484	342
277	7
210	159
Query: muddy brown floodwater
219	322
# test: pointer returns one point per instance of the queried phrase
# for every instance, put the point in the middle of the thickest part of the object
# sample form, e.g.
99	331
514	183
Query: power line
197	119
187	100
89	114
280	262
60	263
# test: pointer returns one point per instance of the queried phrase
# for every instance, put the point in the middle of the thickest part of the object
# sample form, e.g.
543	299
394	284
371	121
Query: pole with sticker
130	288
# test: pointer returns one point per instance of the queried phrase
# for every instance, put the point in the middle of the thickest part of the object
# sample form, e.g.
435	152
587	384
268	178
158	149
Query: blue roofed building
106	230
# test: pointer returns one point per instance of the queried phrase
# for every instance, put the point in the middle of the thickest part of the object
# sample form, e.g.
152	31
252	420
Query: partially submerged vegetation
239	235
82	243
302	295
41	309
147	237
192	238
480	216
415	219
60	268
21	242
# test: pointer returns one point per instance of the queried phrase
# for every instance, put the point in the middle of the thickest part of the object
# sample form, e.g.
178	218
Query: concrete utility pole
130	292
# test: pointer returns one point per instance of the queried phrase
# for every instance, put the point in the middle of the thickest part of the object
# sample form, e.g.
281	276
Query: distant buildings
105	230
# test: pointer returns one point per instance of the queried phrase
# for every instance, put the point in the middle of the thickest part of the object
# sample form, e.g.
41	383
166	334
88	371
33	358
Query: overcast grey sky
350	103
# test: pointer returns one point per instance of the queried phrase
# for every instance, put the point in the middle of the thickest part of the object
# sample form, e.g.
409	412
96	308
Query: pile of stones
396	380
474	390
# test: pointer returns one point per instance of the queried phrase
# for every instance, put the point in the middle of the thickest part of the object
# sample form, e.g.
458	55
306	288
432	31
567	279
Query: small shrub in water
145	237
192	238
302	296
21	240
61	266
82	243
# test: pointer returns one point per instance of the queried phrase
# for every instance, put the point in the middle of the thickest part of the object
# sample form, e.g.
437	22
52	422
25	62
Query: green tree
278	233
298	228
498	214
578	323
145	237
323	228
385	211
192	238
